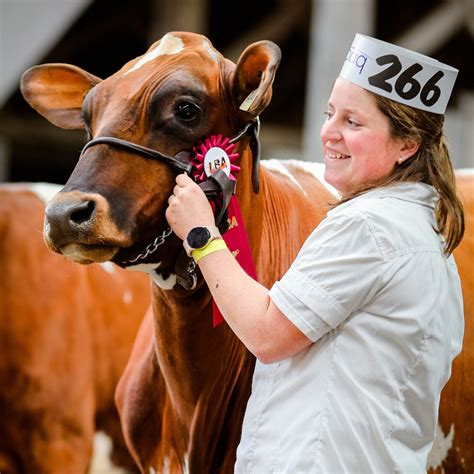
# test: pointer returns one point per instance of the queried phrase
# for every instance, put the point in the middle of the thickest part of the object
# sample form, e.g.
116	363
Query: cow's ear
56	91
254	74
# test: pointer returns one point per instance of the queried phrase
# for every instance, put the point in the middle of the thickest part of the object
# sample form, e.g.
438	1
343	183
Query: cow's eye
187	111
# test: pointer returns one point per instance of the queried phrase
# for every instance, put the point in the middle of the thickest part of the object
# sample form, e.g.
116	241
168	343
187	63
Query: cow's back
66	332
453	449
296	200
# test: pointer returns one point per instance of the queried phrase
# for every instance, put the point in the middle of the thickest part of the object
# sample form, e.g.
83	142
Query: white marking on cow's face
210	50
44	191
127	297
152	471
278	166
169	44
102	451
149	268
441	446
109	267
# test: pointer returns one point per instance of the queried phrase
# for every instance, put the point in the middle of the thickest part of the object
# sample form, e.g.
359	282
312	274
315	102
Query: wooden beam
178	15
437	27
275	27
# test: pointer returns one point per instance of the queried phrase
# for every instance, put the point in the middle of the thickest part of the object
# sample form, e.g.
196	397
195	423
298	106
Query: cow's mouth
146	253
86	254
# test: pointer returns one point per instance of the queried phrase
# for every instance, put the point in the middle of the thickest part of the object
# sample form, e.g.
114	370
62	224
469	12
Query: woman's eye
352	123
328	114
187	112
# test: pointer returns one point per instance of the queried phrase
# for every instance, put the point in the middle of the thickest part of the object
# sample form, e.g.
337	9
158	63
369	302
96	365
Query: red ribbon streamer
238	243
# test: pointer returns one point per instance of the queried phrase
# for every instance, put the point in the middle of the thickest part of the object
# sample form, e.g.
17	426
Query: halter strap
179	162
182	160
217	184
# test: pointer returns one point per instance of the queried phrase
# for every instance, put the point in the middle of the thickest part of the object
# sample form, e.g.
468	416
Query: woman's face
357	145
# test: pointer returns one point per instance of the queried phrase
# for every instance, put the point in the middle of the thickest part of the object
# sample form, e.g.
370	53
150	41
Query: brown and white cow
454	450
185	388
66	332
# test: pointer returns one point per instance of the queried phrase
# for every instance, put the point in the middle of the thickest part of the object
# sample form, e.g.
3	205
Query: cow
454	453
66	333
183	393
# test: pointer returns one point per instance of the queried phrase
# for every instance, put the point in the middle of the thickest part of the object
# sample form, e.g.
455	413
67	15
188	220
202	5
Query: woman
356	341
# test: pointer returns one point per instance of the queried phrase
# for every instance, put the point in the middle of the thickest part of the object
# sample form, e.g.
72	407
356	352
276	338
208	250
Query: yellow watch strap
212	246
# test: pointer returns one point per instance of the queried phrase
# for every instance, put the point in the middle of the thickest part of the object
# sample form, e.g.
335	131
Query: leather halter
182	160
216	185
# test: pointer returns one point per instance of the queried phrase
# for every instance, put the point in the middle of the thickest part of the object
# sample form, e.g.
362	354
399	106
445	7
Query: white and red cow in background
66	332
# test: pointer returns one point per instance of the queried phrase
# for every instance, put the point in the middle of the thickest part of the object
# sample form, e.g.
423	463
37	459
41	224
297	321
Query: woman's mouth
336	156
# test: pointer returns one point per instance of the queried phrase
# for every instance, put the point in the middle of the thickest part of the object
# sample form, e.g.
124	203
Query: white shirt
372	287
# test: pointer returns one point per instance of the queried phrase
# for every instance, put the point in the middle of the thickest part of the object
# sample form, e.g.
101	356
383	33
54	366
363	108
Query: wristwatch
200	237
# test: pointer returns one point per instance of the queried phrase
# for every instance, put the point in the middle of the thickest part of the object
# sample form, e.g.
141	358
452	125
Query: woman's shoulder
401	218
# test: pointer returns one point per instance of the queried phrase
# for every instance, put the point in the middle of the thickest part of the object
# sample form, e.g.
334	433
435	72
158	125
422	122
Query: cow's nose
71	216
81	213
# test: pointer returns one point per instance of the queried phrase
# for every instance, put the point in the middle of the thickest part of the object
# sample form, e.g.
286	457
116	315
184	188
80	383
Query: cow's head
181	91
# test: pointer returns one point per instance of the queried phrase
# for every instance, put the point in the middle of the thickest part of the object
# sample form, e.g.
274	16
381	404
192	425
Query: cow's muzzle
79	226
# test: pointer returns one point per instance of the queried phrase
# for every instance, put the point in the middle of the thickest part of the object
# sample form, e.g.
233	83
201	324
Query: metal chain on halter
153	247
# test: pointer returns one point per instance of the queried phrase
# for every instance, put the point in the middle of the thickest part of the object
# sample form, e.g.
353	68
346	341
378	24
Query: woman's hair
430	164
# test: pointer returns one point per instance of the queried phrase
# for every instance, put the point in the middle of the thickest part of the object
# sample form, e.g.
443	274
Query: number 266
429	93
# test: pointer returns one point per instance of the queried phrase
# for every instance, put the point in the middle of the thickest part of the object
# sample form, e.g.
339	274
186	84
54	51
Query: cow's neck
199	361
202	366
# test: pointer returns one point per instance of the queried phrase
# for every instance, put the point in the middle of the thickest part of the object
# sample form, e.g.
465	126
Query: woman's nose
330	131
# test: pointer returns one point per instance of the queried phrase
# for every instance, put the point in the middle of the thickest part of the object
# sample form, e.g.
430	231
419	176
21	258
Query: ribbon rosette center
212	154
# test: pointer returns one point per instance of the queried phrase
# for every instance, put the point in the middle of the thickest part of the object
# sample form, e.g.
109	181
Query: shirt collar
416	193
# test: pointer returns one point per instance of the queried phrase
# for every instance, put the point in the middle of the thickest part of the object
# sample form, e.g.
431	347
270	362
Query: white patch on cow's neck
209	49
44	191
109	267
166	468
149	268
169	44
278	166
441	446
164	284
143	267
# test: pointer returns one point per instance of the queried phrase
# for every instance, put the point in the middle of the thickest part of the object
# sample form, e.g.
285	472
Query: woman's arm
244	303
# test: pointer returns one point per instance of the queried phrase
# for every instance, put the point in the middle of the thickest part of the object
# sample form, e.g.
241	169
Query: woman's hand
188	207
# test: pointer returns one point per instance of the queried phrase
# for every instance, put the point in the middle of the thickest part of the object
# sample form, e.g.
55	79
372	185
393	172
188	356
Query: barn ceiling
108	34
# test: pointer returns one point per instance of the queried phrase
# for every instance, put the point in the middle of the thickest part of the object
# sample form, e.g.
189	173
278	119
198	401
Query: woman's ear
408	148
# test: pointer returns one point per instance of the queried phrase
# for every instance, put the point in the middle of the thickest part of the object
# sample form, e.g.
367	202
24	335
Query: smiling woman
343	338
354	120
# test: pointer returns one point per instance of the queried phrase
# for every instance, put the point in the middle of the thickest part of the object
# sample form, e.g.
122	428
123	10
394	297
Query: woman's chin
334	179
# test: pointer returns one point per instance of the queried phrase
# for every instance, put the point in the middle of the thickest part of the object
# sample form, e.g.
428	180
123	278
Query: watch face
198	237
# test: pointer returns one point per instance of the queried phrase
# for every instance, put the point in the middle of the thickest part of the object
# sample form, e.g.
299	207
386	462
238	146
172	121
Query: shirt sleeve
337	271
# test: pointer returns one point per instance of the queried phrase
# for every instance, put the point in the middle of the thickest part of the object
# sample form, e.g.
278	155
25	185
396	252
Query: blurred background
100	36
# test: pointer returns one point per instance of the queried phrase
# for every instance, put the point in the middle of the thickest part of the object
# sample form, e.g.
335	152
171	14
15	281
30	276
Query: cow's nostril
82	212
